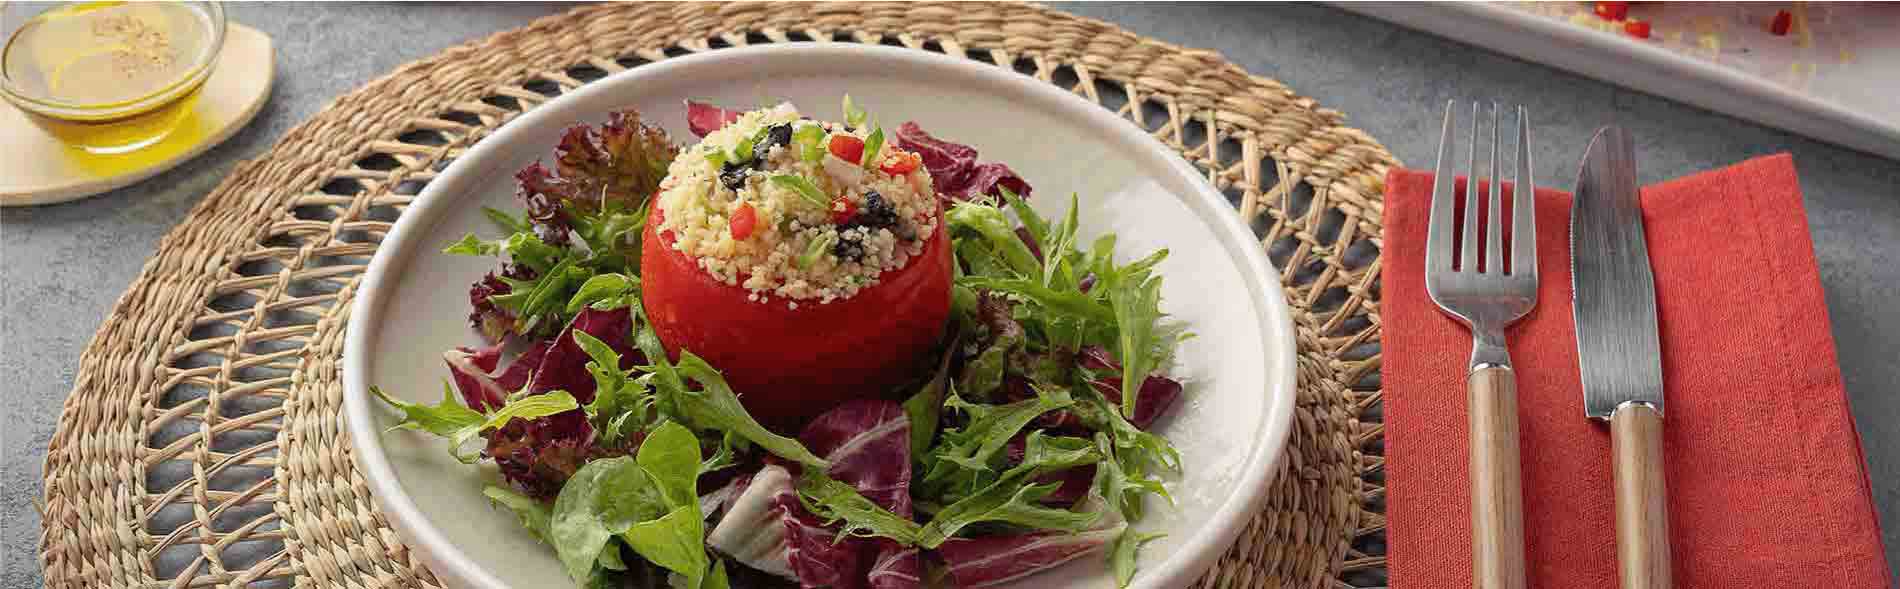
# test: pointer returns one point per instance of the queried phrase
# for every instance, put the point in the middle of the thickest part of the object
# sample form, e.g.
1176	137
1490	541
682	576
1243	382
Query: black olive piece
777	135
733	175
876	213
848	248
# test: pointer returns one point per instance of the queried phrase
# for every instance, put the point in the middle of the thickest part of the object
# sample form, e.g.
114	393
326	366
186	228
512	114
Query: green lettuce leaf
602	500
534	515
670	455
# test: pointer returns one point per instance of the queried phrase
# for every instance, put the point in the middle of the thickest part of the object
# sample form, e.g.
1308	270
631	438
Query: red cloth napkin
1767	487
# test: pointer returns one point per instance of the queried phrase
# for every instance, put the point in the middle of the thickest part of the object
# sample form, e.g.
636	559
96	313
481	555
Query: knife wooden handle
1642	514
1497	500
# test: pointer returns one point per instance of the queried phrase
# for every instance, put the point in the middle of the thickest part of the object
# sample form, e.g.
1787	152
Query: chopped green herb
810	140
803	187
872	145
818	247
853	115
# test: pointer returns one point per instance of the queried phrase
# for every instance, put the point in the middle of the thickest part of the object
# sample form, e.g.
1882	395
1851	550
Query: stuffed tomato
807	260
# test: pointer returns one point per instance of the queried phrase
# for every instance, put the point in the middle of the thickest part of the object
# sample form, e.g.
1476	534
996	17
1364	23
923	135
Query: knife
1614	298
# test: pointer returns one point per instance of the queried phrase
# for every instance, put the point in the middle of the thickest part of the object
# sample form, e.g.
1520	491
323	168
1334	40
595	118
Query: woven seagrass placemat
203	444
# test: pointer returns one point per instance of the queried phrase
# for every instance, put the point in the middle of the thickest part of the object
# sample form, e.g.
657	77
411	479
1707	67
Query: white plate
1230	428
1840	88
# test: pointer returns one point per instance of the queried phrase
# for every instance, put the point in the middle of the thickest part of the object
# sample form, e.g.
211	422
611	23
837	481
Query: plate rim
1273	313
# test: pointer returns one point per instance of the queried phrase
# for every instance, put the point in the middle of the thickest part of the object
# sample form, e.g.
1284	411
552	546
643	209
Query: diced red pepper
744	221
1613	10
1637	28
1782	21
900	163
842	216
847	148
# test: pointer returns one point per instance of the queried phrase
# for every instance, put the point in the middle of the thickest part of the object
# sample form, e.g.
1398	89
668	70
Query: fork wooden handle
1642	515
1497	499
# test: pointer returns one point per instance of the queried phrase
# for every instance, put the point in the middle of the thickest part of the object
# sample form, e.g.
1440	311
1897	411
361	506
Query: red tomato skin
789	365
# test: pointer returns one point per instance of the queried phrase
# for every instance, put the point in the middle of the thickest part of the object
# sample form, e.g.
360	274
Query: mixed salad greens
1024	446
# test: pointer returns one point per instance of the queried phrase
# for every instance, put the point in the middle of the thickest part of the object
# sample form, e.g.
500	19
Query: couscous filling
795	208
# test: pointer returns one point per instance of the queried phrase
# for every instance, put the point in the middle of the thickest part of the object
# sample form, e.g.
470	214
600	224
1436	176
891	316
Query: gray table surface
63	266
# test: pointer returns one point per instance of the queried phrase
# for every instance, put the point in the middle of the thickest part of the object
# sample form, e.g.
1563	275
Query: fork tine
1524	205
1468	256
1439	236
1494	209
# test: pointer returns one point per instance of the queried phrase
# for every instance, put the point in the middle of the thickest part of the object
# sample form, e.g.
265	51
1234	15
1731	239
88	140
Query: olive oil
112	77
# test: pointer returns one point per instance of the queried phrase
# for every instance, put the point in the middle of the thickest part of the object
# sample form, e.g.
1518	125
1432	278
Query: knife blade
1613	293
1619	352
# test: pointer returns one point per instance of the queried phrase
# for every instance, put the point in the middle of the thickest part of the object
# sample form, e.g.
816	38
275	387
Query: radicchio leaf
752	531
565	366
954	172
817	555
492	321
538	455
867	442
995	560
1158	393
484	388
896	567
702	118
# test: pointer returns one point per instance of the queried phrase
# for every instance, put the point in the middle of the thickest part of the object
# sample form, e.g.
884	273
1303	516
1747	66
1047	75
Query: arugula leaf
606	292
601	500
531	407
505	221
833	500
442	419
1071	302
715	406
534	515
1033	222
989	431
540	300
1121	554
620	404
473	246
804	188
990	223
1010	499
872	145
925	408
1136	298
448	419
983	374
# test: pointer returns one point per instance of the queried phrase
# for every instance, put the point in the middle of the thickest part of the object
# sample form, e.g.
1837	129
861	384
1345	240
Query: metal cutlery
1614	297
1487	296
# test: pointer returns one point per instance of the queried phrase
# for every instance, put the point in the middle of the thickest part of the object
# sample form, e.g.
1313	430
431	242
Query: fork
1487	296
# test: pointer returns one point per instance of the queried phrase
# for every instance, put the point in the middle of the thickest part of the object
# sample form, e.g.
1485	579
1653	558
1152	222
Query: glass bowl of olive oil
109	77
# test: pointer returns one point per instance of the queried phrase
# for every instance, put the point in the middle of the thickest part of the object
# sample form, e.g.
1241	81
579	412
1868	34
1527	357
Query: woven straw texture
202	443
